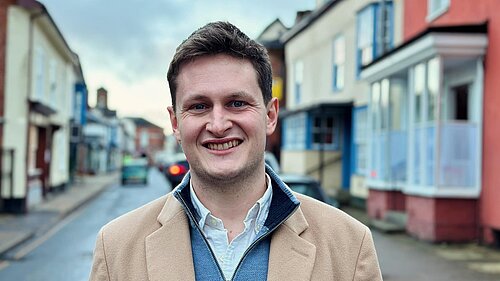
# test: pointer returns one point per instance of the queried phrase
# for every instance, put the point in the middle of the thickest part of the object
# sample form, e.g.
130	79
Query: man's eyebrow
240	94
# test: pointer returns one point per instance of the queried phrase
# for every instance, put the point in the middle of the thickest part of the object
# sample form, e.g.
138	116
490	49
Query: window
338	63
39	74
294	131
432	87
52	83
374	32
298	79
436	8
366	31
325	132
360	139
419	84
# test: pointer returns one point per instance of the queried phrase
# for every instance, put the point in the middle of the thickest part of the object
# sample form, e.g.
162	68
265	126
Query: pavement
16	229
471	256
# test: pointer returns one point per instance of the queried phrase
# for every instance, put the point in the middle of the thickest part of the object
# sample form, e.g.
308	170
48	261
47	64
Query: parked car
176	169
134	171
308	186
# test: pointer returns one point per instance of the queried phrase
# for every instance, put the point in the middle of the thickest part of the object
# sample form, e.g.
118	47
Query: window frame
339	39
434	11
336	132
298	80
374	9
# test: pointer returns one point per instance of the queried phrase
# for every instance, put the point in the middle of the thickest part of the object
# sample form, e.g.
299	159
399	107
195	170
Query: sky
126	46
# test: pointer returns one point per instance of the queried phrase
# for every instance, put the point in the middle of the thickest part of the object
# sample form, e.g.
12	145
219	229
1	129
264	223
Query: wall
441	219
314	46
299	162
16	74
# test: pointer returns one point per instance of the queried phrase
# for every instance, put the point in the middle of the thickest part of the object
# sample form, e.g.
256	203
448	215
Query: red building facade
464	12
456	43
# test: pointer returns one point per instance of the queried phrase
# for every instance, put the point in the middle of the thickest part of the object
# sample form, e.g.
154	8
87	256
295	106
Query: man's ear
272	115
174	122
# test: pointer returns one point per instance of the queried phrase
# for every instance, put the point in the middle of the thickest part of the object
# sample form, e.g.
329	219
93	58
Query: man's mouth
223	146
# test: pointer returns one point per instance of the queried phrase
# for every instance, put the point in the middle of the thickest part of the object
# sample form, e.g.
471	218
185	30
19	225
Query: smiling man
231	218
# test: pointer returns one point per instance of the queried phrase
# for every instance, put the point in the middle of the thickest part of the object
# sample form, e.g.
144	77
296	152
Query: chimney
102	98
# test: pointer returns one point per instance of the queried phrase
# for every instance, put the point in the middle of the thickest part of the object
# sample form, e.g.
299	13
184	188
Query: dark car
308	186
176	169
135	171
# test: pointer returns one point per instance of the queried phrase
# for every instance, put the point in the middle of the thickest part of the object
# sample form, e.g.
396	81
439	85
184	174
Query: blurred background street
389	110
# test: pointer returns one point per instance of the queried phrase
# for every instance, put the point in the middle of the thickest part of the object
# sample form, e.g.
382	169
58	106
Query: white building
324	126
39	83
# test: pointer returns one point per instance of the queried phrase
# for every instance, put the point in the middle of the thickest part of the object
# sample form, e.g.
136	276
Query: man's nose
219	121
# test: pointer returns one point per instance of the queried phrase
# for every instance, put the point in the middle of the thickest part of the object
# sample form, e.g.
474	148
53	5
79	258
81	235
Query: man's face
221	119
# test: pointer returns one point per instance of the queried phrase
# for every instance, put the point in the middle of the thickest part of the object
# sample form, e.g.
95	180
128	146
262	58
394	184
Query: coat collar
169	254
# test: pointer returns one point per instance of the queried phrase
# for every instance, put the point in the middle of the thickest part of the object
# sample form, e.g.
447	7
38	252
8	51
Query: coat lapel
291	257
168	250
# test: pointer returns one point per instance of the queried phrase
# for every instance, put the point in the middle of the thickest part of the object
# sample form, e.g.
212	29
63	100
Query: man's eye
198	106
237	103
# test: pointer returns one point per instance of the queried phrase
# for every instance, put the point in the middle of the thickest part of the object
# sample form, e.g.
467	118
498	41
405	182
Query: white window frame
339	54
298	79
436	8
39	75
52	98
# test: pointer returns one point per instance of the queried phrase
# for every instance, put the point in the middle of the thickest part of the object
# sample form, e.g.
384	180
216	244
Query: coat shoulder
140	220
323	217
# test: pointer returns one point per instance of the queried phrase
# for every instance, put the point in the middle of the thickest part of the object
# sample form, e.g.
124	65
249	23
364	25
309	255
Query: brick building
150	138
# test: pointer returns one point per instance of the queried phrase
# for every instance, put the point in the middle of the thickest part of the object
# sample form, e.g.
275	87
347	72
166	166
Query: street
65	252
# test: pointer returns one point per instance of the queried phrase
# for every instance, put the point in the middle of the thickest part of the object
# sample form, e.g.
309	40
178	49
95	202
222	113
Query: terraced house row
48	133
393	105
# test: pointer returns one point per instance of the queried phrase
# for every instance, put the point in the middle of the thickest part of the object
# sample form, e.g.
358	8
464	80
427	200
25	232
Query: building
101	134
270	38
127	136
78	148
38	73
433	108
324	124
150	138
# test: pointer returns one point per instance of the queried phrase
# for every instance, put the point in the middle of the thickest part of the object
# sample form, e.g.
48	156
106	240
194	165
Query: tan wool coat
317	242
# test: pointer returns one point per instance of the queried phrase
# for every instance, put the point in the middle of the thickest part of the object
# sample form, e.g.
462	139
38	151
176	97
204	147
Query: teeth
223	146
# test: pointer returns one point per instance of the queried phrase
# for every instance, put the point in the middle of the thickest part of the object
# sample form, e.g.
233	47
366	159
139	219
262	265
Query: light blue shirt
229	254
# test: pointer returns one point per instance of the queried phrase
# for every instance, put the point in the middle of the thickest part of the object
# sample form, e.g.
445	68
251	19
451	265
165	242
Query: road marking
42	239
4	264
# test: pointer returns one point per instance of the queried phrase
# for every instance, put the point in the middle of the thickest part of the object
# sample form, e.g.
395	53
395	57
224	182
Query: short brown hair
222	38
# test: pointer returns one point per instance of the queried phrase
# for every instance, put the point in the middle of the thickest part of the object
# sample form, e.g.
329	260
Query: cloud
124	45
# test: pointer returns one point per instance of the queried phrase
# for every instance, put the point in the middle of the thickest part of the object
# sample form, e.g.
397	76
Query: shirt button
257	228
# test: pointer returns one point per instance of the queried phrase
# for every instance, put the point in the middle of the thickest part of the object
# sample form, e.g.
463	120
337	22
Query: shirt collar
259	210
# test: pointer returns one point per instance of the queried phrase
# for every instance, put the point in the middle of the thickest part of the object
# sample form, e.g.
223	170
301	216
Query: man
231	218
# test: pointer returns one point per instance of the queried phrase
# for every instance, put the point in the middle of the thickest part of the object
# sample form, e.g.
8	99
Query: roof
270	36
141	122
308	20
38	9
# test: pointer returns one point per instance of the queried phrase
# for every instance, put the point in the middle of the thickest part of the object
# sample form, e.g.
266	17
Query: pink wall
473	12
381	201
441	219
